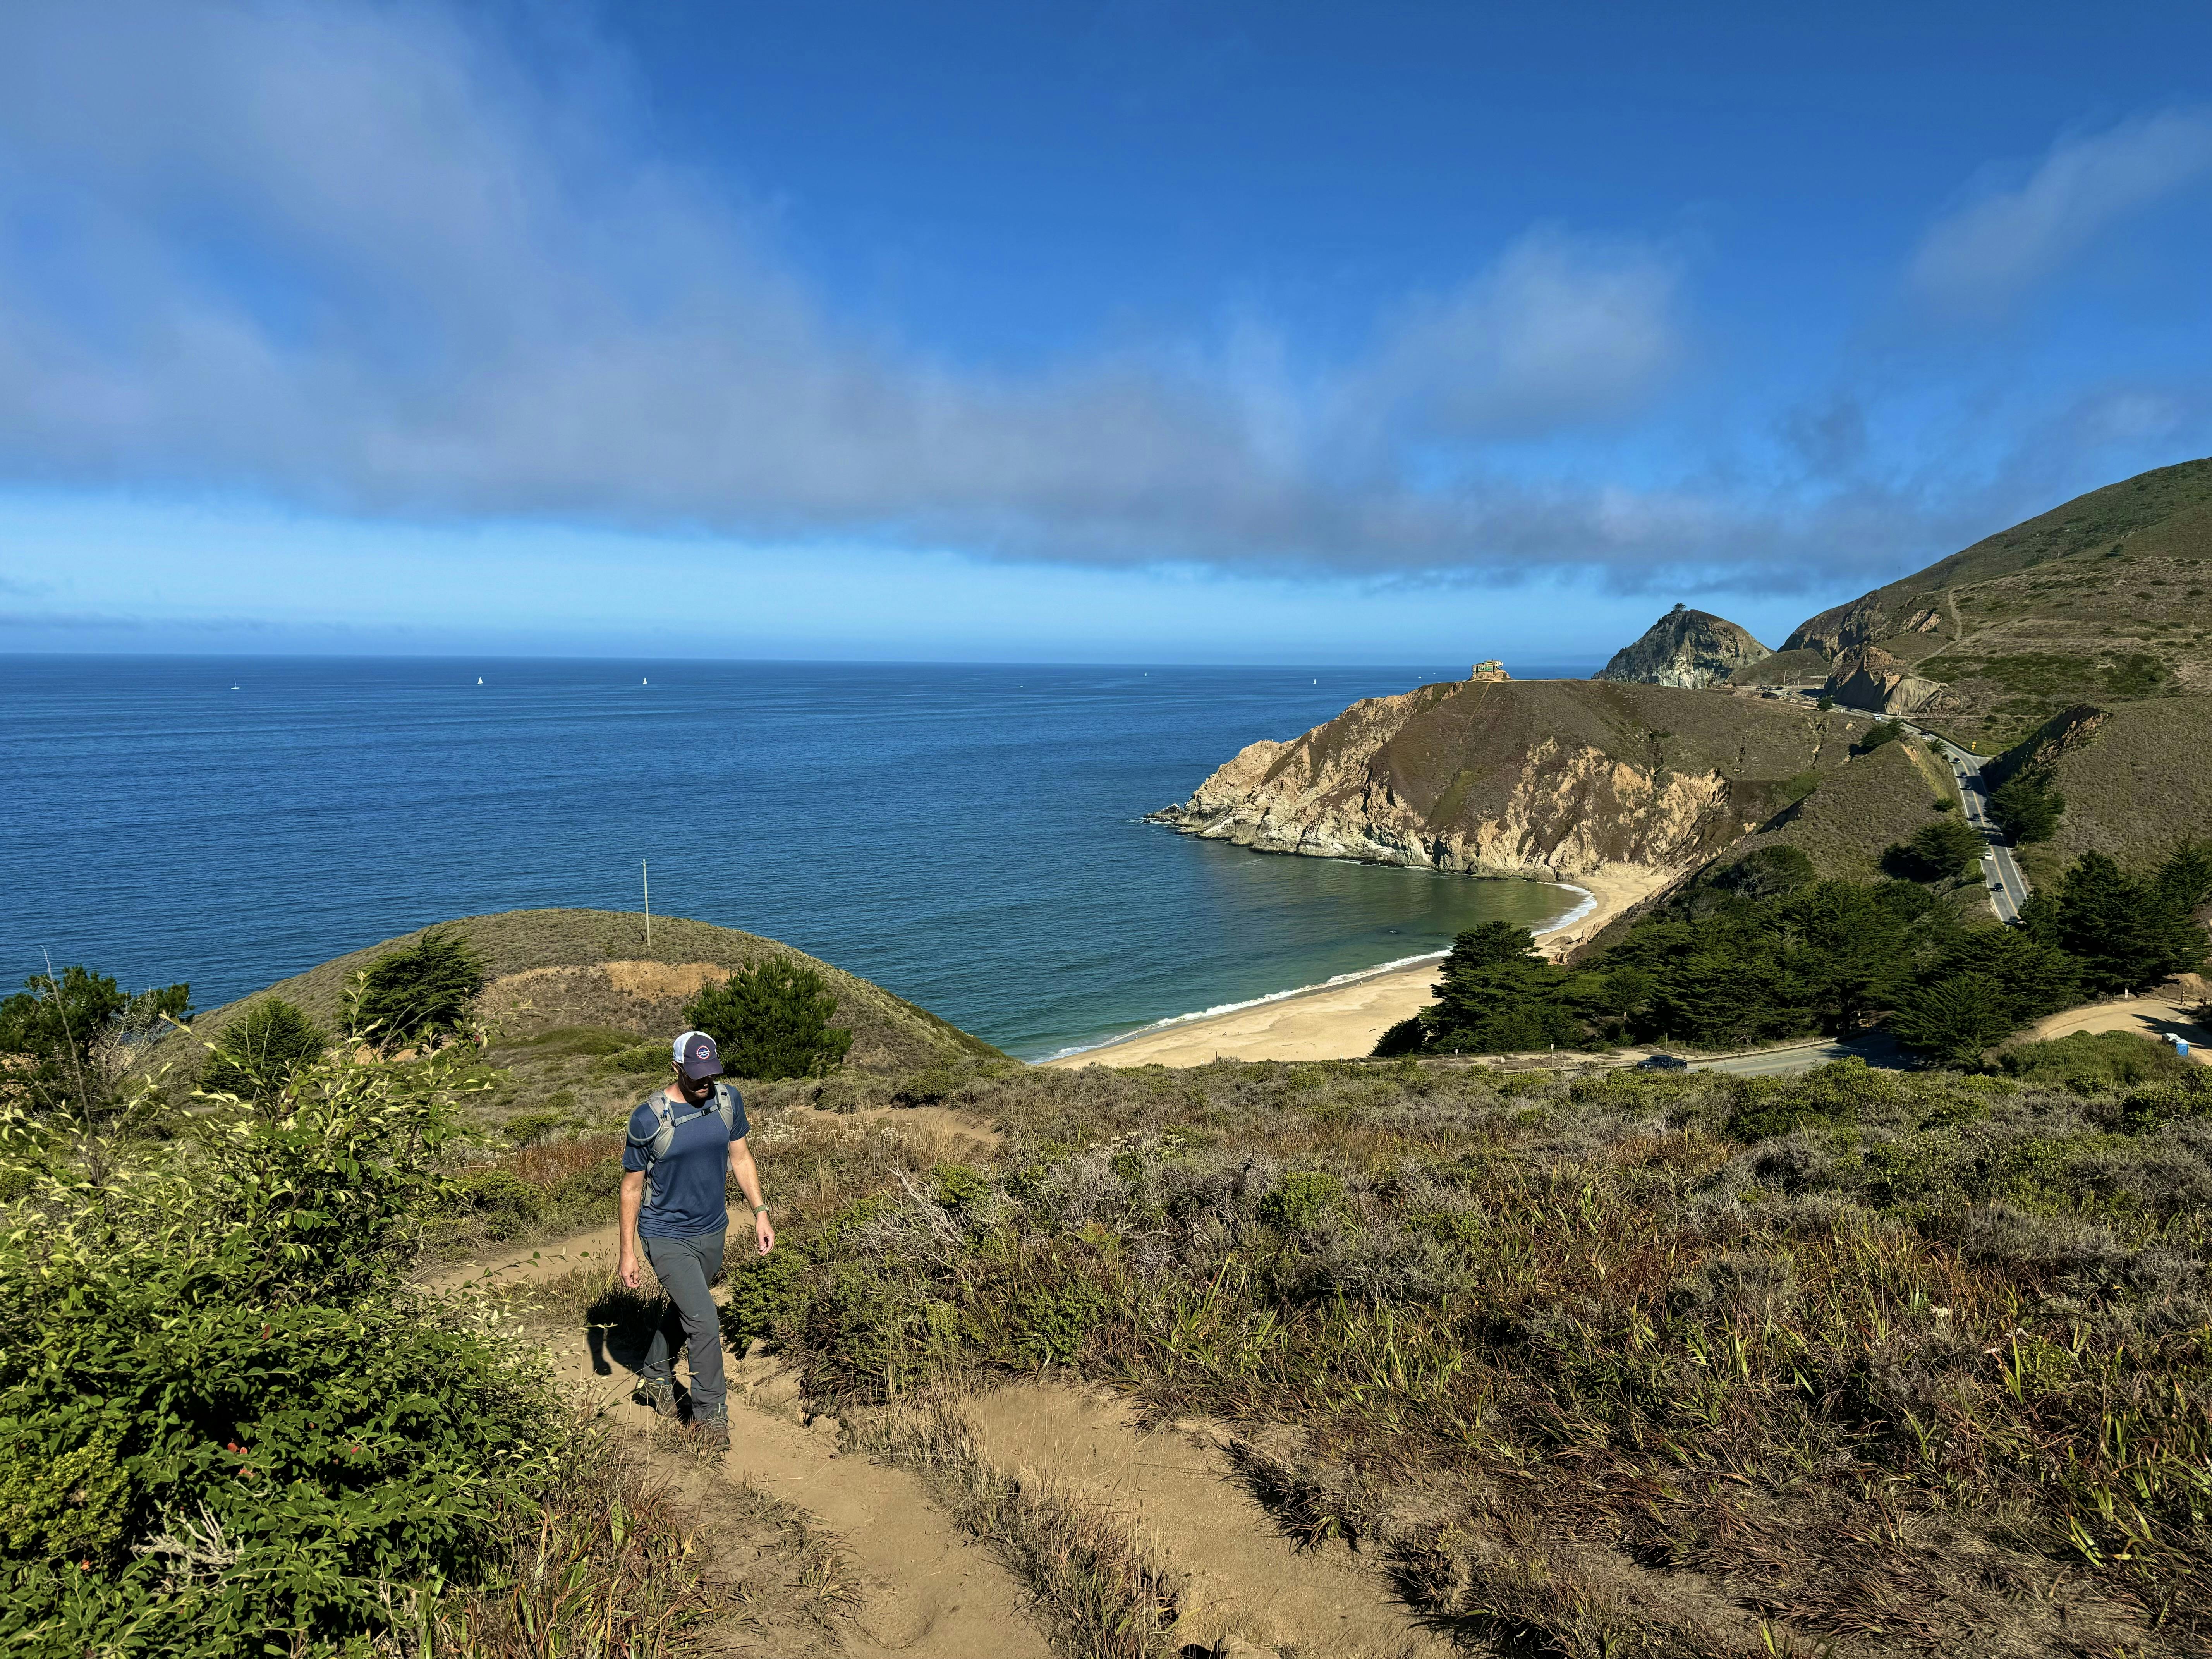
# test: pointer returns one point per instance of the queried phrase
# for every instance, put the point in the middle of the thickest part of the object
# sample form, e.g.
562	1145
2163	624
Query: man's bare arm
633	1201
748	1175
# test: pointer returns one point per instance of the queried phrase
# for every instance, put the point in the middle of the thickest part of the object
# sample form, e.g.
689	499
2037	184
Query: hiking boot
713	1430
659	1393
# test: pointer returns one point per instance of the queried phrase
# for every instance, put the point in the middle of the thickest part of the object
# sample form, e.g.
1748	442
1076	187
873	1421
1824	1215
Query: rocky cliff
1548	779
1868	676
1687	649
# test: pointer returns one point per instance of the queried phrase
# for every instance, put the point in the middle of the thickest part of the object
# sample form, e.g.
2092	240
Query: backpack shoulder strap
664	1127
725	1104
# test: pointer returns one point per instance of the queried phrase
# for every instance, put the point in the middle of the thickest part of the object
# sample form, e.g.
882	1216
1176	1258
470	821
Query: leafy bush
771	1021
1879	733
258	1052
420	995
259	1433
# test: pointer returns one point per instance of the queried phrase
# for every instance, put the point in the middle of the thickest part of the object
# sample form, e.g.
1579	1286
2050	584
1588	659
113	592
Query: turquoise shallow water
968	836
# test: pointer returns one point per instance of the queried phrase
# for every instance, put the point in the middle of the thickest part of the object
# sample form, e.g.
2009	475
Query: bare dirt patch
1176	1489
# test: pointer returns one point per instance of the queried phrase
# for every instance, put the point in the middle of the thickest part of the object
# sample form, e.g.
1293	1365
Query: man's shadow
619	1324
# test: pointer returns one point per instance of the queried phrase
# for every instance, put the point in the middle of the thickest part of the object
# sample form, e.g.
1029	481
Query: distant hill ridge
2107	598
545	969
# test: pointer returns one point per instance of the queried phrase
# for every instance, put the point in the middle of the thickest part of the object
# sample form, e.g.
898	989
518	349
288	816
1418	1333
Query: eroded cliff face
1548	779
1868	676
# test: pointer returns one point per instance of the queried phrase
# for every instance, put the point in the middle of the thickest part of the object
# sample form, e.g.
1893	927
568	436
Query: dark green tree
2025	809
419	995
772	1020
1958	1019
2124	931
1496	995
1879	733
258	1052
74	1035
1942	849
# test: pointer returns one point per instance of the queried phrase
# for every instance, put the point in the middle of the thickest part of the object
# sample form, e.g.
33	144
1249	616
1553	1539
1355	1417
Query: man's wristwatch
759	1209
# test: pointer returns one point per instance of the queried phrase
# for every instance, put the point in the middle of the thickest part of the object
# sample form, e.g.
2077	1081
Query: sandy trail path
1341	1022
1174	1485
926	1590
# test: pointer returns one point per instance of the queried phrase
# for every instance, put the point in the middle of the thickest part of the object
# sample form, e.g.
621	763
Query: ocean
968	836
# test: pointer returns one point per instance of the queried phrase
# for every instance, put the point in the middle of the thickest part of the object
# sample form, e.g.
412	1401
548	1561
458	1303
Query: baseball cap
696	1056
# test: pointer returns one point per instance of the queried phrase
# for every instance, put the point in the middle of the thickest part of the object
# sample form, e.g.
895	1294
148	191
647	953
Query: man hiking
675	1204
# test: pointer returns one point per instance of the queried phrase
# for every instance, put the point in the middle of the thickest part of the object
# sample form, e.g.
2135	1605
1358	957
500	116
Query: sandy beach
1341	1022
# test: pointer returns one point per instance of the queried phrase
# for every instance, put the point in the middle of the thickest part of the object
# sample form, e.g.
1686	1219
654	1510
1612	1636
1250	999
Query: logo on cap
700	1051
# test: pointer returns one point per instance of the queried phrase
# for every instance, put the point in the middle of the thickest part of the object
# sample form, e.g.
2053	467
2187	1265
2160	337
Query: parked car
1662	1063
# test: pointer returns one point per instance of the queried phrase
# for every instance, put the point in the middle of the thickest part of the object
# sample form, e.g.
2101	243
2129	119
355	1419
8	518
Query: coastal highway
1999	873
1876	1048
2008	888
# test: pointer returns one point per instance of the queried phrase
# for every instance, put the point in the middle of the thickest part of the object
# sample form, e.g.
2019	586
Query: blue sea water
968	836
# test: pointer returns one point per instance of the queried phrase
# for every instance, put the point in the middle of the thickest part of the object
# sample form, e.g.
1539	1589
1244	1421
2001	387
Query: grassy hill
2134	777
2107	599
1856	811
586	981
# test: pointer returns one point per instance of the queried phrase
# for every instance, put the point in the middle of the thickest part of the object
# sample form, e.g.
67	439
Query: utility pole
645	875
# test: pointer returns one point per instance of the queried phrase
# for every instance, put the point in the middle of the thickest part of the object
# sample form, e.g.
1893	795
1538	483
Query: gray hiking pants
685	1268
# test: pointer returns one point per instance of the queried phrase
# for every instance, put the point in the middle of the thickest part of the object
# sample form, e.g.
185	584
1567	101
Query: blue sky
1205	332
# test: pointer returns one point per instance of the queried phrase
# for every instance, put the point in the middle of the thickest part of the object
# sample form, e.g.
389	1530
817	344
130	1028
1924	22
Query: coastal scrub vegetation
1703	1364
1760	951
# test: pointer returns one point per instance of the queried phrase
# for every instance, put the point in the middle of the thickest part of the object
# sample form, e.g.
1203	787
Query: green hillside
2134	776
550	972
1857	812
2107	599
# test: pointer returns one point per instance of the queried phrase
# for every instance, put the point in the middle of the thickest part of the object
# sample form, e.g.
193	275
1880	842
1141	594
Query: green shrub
2085	1062
1304	1198
1051	1320
258	1051
763	1293
220	1417
1944	850
772	1021
420	995
1768	872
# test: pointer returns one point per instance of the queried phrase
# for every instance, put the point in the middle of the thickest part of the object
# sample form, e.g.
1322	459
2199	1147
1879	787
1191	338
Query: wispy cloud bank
1983	255
351	256
354	258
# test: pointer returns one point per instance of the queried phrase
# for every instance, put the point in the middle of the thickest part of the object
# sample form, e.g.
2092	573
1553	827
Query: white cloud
349	256
1986	253
1559	331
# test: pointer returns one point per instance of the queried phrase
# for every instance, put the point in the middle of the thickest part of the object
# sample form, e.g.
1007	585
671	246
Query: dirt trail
924	1590
1246	1579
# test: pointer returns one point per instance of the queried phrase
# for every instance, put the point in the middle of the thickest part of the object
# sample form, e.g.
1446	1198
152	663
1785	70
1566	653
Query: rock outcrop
1868	676
1547	779
1687	649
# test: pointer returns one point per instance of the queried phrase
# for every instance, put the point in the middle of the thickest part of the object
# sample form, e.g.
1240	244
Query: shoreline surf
1341	1019
1586	905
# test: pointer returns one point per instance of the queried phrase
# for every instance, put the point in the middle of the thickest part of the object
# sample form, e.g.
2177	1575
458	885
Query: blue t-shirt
685	1191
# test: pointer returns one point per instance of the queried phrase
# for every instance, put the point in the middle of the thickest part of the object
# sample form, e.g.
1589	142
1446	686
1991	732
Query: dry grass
1887	1362
1102	1593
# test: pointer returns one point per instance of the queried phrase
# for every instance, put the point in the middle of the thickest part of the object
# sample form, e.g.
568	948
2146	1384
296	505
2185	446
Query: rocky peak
1684	647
